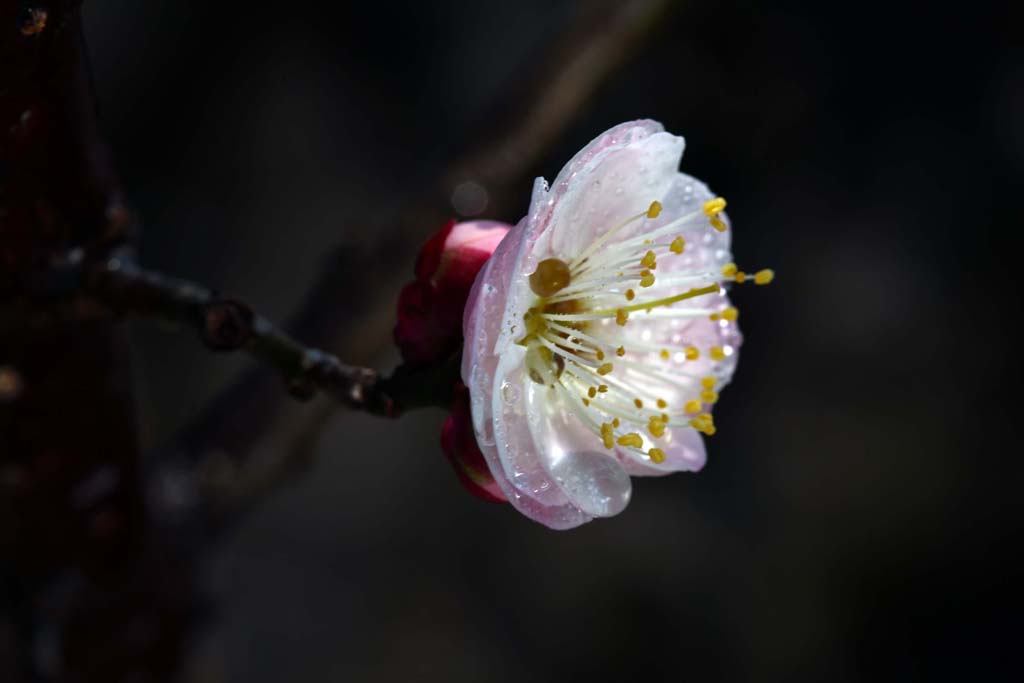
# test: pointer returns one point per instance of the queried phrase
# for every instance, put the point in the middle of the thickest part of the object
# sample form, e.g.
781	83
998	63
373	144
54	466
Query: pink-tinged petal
502	433
617	183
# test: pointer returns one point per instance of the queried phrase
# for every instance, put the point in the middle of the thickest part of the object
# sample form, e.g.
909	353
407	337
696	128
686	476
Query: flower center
621	383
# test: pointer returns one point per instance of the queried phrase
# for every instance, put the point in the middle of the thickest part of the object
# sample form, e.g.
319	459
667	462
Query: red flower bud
429	330
459	444
430	308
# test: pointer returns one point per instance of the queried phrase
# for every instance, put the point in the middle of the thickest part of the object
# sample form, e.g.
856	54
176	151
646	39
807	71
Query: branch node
226	324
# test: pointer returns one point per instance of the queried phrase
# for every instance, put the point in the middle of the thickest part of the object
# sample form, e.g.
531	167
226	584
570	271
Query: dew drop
509	392
594	482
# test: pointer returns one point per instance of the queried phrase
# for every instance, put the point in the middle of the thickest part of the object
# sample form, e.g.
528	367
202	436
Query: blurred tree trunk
82	592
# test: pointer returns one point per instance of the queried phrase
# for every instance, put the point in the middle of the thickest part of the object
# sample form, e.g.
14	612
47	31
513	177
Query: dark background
860	508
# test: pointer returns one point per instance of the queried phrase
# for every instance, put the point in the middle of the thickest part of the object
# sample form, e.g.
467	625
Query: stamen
631	439
763	277
596	244
607	435
729	269
717	353
713	207
677	246
648	305
551	276
657	455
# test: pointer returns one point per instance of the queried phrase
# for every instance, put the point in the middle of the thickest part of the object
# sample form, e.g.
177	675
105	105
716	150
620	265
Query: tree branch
226	325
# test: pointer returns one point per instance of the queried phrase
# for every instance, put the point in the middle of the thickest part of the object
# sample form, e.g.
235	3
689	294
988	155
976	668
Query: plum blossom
599	335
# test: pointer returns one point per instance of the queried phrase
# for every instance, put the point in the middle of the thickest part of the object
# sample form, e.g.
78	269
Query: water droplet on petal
594	482
509	392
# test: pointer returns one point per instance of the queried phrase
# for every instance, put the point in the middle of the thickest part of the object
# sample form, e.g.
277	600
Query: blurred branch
228	325
533	113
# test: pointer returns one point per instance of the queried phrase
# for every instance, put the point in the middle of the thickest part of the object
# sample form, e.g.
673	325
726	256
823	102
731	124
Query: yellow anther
692	352
592	392
607	436
602	389
647	280
664	418
693	406
615	423
708	382
649	260
709	396
741	277
632	439
713	316
600	354
621	351
630	295
656	427
763	277
714	206
704	423
662	404
586	402
677	246
657	455
717	353
604	368
621	316
665	355
551	276
654	209
638	403
730	313
729	269
718	224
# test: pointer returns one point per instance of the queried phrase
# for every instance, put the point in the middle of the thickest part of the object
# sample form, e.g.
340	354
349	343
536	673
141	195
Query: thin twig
229	325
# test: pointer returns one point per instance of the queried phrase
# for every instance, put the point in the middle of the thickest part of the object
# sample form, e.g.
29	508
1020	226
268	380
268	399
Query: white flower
598	335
